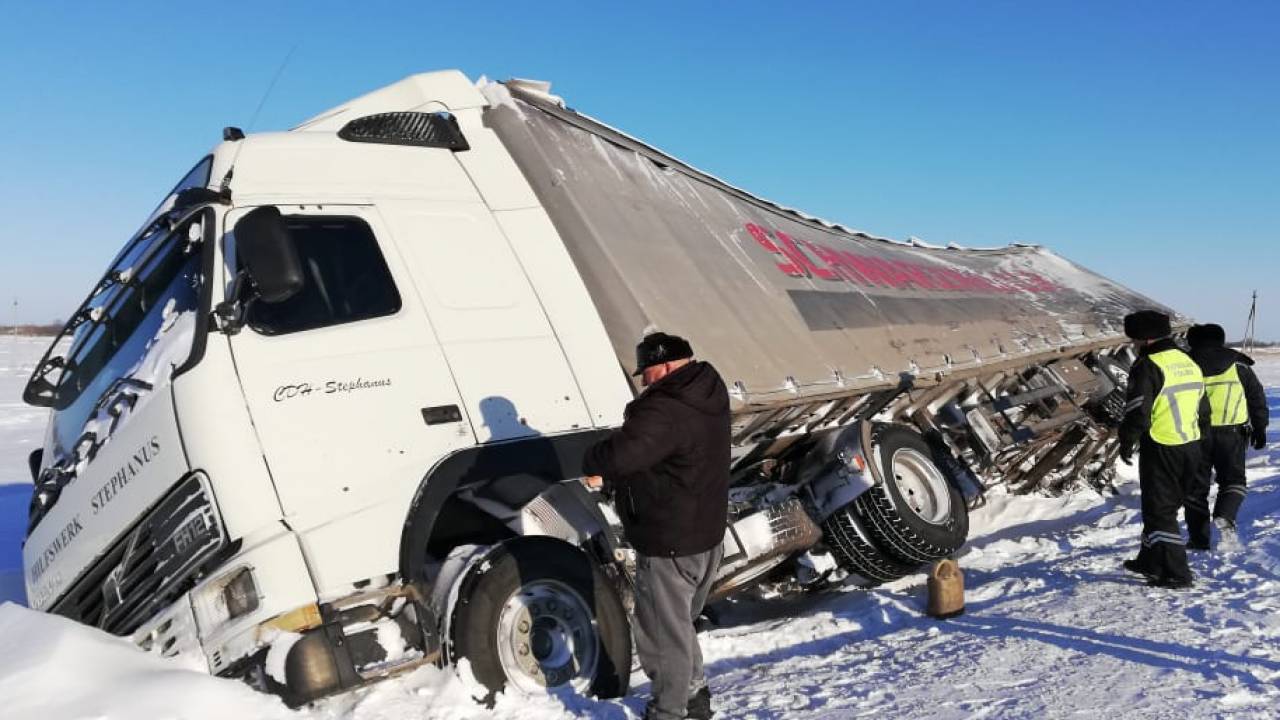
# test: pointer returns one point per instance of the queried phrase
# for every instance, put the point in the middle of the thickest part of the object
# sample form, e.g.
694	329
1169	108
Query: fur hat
1147	325
1208	335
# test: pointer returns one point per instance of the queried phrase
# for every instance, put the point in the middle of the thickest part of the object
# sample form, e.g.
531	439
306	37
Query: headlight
231	596
241	594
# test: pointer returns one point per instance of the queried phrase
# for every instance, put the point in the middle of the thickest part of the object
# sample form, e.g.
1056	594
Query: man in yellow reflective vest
1238	416
1166	414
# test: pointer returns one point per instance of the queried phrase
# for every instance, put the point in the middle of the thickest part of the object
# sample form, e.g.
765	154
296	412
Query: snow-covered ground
21	431
1053	628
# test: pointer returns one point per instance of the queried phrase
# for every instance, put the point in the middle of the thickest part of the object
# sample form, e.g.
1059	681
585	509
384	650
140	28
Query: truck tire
538	614
852	546
915	515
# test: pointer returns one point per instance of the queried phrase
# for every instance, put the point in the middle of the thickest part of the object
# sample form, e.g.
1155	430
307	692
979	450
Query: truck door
349	390
505	356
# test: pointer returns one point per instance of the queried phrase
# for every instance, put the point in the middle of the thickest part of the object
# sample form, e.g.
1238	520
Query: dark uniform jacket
1215	360
1145	382
668	465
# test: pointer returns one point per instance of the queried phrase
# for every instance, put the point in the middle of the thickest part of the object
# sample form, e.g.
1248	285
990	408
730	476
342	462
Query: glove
1259	438
1126	453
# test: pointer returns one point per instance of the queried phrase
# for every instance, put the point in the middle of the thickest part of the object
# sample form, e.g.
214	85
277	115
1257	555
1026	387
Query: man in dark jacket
667	469
1166	415
1238	415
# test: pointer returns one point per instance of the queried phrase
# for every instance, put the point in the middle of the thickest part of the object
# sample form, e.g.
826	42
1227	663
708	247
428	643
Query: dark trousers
670	593
1166	473
1222	454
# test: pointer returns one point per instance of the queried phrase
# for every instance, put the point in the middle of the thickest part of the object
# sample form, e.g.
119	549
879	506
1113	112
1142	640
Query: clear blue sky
1141	139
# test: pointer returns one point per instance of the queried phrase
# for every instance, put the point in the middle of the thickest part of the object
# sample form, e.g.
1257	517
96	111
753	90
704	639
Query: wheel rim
922	486
547	638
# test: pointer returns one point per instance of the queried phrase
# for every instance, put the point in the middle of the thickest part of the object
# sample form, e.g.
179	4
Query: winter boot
1172	583
1228	539
1134	566
699	707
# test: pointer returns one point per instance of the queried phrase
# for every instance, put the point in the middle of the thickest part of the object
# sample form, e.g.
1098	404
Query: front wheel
538	614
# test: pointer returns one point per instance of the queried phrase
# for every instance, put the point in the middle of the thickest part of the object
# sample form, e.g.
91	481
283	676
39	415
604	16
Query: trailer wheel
915	515
852	545
539	614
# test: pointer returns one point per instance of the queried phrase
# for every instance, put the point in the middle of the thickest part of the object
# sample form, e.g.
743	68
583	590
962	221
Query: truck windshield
134	326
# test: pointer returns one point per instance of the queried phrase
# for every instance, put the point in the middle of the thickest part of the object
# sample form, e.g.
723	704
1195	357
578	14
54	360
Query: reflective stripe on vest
1226	397
1175	415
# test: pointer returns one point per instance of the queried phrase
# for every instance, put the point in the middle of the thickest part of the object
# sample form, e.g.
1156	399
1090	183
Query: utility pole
1250	325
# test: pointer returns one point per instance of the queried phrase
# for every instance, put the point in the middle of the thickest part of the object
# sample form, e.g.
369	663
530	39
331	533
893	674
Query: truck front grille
158	560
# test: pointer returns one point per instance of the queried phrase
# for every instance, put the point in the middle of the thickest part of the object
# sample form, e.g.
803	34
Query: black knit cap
659	348
1208	335
1147	325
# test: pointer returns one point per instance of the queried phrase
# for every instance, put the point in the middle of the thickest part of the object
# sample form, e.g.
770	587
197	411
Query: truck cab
229	462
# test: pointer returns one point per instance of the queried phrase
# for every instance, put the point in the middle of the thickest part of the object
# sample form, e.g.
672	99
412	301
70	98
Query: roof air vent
435	130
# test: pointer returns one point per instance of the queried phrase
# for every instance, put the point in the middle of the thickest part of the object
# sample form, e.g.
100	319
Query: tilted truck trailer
322	420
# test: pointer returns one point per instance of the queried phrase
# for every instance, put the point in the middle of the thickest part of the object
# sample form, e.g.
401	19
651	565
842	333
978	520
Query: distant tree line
32	330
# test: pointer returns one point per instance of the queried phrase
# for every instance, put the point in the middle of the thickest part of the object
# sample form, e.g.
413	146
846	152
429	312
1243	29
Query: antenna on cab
236	134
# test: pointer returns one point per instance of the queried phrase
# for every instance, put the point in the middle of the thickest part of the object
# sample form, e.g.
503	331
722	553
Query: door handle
441	414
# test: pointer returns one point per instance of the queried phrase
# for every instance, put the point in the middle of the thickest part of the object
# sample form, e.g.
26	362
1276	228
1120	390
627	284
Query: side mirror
268	254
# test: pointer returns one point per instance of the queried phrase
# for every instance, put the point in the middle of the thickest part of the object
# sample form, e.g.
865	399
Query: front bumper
198	629
326	647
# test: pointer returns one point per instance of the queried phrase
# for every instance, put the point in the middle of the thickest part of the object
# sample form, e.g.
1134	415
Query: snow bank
53	668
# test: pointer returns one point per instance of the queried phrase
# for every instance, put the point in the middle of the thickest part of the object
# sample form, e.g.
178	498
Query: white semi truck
328	406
